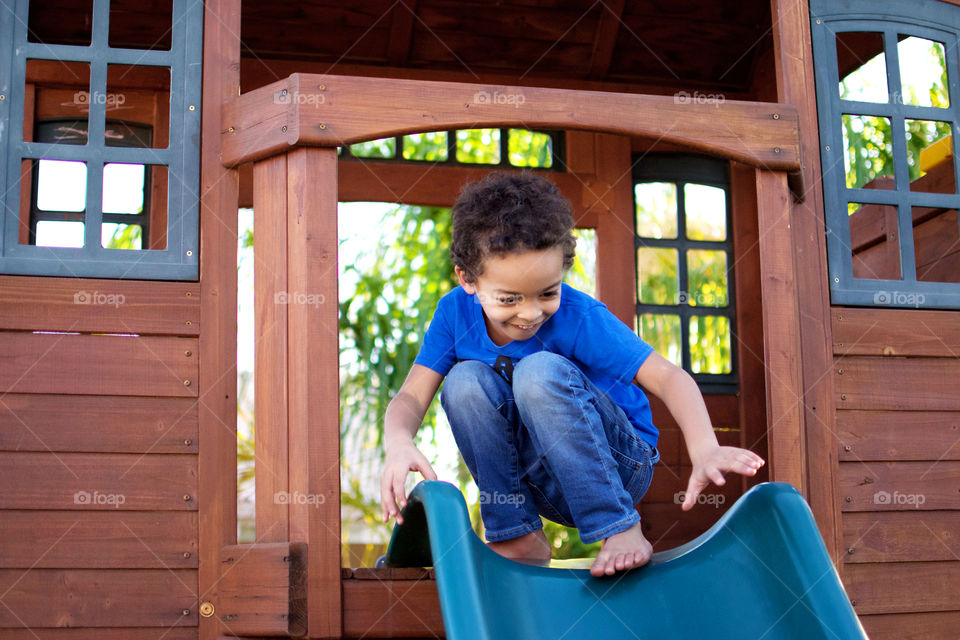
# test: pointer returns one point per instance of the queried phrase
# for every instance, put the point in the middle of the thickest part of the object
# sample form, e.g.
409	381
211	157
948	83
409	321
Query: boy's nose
529	311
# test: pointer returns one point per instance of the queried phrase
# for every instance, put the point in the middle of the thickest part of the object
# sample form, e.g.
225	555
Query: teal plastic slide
761	572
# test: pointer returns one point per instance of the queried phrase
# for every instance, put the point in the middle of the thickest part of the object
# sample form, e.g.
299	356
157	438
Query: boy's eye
549	294
508	299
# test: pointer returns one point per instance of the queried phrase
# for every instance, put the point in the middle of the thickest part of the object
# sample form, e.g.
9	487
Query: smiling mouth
526	327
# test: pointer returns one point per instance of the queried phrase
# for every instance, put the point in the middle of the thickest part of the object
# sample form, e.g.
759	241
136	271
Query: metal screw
851	550
818	21
188	353
188	442
188	322
827	147
323	126
186	383
192	107
848	499
186	497
283	128
2	97
206	609
840	372
189	293
283	92
776	149
322	87
836	279
847	447
189	253
185	612
231	129
776	116
843	396
186	554
853	602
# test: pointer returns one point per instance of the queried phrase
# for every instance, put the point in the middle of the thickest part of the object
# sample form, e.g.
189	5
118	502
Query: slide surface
761	572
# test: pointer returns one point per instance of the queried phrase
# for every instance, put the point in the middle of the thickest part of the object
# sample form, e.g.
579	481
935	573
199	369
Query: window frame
681	169
929	20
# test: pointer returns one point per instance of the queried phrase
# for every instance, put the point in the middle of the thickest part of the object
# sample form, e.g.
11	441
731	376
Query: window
684	252
886	96
100	164
492	147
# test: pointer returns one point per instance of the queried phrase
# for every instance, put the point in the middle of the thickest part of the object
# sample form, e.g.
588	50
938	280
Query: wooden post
781	331
793	56
217	464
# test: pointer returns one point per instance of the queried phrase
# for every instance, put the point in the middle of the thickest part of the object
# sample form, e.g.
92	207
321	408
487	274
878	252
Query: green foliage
125	236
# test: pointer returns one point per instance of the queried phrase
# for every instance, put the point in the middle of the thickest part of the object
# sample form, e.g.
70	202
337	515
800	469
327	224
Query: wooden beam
217	461
325	110
391	609
781	317
401	31
606	38
263	590
793	57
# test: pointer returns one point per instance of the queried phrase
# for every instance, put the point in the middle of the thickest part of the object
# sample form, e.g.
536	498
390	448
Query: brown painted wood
895	332
606	38
610	194
98	482
313	365
395	609
31	303
890	383
752	401
387	573
98	598
270	349
912	626
102	633
84	364
673	449
667	526
26	170
118	424
781	330
794	64
901	536
111	539
903	587
341	112
217	459
900	486
401	29
263	590
899	435
669	486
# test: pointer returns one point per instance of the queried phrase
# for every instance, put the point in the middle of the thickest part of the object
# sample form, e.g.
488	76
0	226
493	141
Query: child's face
518	292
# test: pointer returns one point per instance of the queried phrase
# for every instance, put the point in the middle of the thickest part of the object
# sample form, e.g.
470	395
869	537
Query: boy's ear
462	277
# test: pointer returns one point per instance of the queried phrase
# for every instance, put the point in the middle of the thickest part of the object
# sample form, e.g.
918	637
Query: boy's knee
537	373
465	379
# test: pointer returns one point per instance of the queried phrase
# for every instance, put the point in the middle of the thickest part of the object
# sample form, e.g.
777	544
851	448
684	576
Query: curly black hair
507	213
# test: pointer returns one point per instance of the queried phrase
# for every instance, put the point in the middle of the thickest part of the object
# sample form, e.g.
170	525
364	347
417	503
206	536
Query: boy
539	388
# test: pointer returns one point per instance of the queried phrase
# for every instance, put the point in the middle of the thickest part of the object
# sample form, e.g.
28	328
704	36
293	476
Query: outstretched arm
680	393
403	418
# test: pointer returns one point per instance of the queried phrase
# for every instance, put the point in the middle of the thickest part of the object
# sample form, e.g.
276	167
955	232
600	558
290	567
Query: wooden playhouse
840	283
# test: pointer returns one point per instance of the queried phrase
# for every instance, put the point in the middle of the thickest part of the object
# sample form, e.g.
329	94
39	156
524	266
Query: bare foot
621	551
530	548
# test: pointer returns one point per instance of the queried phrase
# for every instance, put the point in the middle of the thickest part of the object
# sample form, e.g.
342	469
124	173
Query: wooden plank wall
98	458
898	421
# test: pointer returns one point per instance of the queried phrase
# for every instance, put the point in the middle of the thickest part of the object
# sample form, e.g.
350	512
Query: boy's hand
400	461
709	466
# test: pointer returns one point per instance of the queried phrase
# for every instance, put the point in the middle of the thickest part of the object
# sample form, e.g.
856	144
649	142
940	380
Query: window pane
61	101
706	210
123	188
382	148
478	146
135	24
861	67
936	244
657	276
923	72
869	152
662	332
530	148
583	274
54	27
120	236
874	248
707	274
930	156
61	185
149	103
710	344
656	204
59	233
431	146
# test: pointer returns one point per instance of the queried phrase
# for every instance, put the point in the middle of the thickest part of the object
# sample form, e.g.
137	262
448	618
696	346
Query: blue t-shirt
582	330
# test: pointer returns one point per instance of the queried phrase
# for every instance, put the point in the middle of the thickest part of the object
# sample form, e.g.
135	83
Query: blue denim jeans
553	444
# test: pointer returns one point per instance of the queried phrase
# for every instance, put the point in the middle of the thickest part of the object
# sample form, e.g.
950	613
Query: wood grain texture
98	482
98	598
394	609
899	486
610	194
899	435
895	332
346	110
107	424
184	631
31	303
901	536
898	384
903	587
262	592
98	540
941	625
98	365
